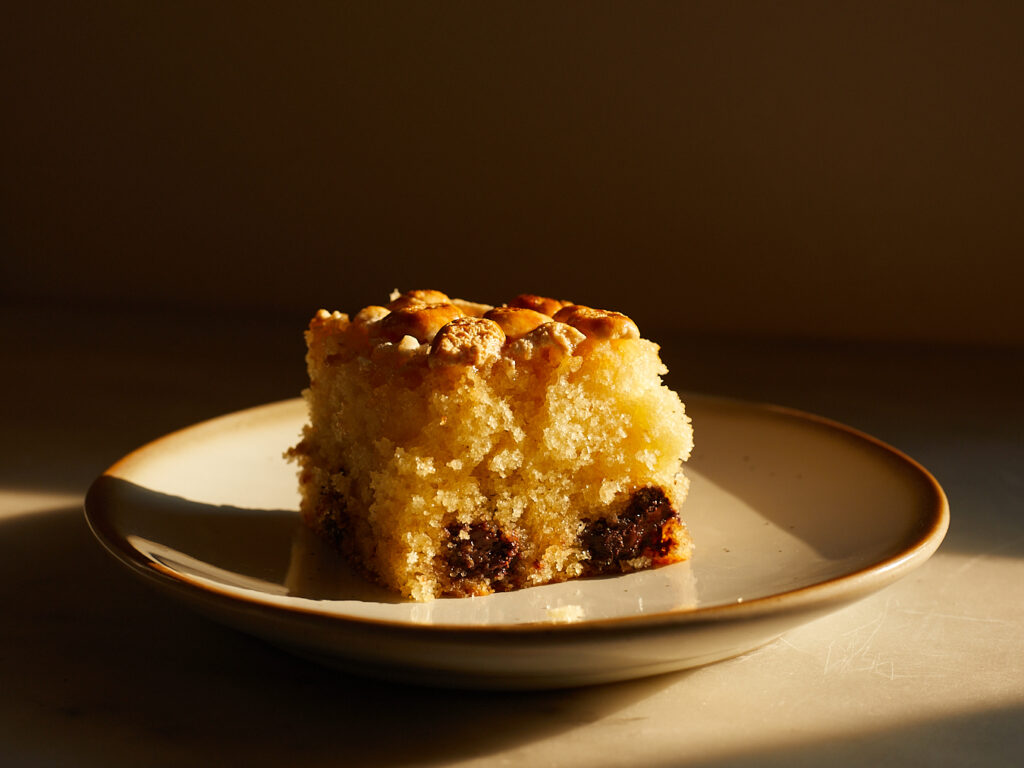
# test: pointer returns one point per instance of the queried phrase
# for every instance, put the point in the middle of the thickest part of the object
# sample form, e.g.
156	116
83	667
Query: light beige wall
823	169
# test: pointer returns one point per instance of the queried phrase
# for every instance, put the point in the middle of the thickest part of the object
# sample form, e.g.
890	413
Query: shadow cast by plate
128	678
988	737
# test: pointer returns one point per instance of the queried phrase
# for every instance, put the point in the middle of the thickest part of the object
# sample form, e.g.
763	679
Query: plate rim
843	588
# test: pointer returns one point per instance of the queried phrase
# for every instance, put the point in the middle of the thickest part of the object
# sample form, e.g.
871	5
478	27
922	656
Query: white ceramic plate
793	516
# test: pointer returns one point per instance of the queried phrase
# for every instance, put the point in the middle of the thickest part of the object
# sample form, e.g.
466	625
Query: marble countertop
97	669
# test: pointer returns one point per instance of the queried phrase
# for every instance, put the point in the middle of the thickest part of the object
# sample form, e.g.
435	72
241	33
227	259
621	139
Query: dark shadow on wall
806	168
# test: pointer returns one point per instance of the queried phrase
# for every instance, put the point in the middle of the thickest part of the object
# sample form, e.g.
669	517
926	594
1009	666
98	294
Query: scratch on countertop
796	648
851	651
894	641
958	617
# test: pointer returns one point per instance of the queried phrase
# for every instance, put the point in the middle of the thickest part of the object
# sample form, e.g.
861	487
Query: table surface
97	669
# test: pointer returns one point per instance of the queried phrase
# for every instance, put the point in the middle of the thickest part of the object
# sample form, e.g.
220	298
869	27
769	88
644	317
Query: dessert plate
793	516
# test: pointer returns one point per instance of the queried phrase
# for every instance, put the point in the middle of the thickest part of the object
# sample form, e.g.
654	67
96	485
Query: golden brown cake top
430	326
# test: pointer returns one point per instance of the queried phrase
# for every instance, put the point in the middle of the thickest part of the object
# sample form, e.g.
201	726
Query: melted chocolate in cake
486	554
636	532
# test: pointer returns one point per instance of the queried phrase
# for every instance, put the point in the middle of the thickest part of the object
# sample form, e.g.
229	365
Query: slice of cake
459	449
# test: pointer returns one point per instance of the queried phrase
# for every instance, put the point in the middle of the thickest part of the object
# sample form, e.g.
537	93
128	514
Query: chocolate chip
637	531
332	516
485	553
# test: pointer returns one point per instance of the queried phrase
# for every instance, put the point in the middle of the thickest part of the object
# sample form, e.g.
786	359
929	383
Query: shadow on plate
264	549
